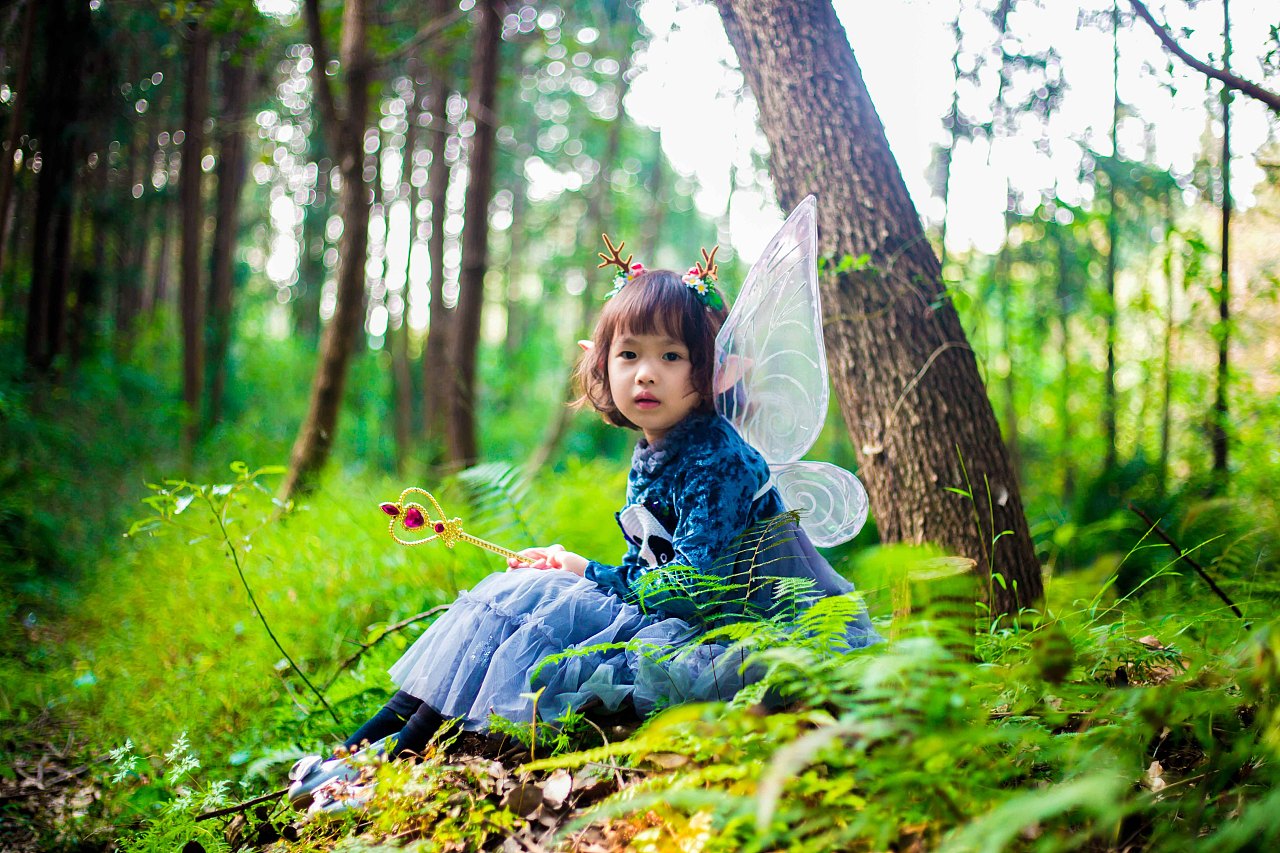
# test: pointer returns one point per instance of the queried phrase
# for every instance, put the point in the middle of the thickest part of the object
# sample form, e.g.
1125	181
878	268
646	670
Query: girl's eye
671	356
626	354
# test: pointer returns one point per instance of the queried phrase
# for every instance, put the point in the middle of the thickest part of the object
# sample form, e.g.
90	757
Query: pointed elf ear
586	345
733	371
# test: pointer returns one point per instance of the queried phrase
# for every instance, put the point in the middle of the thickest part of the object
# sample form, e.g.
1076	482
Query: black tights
410	717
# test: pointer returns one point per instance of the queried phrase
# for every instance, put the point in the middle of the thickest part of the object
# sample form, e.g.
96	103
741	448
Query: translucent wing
771	379
831	501
771	365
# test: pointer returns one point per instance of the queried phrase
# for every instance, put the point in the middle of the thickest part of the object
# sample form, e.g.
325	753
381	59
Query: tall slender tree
66	32
906	379
463	447
237	82
190	191
437	371
345	126
1219	419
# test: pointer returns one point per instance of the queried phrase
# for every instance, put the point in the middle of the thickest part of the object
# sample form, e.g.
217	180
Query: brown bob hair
656	302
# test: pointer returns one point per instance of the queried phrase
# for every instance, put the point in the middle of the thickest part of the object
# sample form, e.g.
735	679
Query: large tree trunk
190	183
906	379
315	437
232	167
66	31
437	385
461	428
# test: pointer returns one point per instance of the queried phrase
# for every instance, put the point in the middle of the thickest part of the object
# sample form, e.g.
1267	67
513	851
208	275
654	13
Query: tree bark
463	448
1219	419
315	437
398	326
66	31
436	369
190	191
906	379
15	128
232	167
1109	403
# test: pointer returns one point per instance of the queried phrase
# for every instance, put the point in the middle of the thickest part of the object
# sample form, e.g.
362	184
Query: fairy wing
771	379
770	359
831	501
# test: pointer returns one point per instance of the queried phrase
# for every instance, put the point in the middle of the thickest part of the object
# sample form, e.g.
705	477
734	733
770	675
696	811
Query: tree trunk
311	270
436	370
398	326
190	184
15	129
461	428
232	168
1219	418
906	379
315	436
160	285
1166	371
1113	241
1065	307
66	29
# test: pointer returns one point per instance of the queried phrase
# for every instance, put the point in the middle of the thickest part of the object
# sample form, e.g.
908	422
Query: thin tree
463	448
436	369
237	83
191	195
16	122
1219	418
398	323
906	380
345	126
1109	403
66	33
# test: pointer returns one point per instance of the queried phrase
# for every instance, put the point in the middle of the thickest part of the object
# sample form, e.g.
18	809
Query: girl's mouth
645	401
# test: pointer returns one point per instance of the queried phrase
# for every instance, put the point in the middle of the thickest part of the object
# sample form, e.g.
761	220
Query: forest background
347	247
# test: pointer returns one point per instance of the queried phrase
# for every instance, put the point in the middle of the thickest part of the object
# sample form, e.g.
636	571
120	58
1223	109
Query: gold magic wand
415	516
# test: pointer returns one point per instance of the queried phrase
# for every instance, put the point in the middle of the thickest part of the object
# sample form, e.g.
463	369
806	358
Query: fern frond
498	494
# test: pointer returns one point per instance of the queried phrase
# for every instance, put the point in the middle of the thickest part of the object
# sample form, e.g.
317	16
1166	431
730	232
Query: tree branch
331	118
425	37
1231	81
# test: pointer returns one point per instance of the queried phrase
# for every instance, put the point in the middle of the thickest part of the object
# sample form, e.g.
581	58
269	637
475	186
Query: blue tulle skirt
488	653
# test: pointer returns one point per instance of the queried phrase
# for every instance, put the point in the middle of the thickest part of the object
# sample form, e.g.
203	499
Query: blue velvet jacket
699	484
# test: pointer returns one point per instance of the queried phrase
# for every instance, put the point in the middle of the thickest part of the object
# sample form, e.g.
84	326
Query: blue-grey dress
691	502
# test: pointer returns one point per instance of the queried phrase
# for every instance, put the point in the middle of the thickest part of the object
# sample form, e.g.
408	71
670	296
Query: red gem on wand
439	527
390	509
413	518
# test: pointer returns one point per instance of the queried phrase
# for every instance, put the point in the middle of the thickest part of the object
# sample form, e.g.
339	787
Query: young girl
694	489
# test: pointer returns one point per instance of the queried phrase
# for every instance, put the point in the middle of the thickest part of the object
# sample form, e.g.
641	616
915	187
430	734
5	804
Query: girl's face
650	379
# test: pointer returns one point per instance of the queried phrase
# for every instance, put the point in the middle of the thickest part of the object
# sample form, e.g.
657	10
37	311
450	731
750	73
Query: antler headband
701	277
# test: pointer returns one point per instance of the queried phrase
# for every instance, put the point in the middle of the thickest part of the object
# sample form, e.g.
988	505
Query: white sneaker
312	771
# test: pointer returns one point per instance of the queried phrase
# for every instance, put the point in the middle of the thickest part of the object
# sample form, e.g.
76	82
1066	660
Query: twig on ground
1159	531
239	807
391	629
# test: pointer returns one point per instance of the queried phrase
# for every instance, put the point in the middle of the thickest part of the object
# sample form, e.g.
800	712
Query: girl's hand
572	562
540	558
